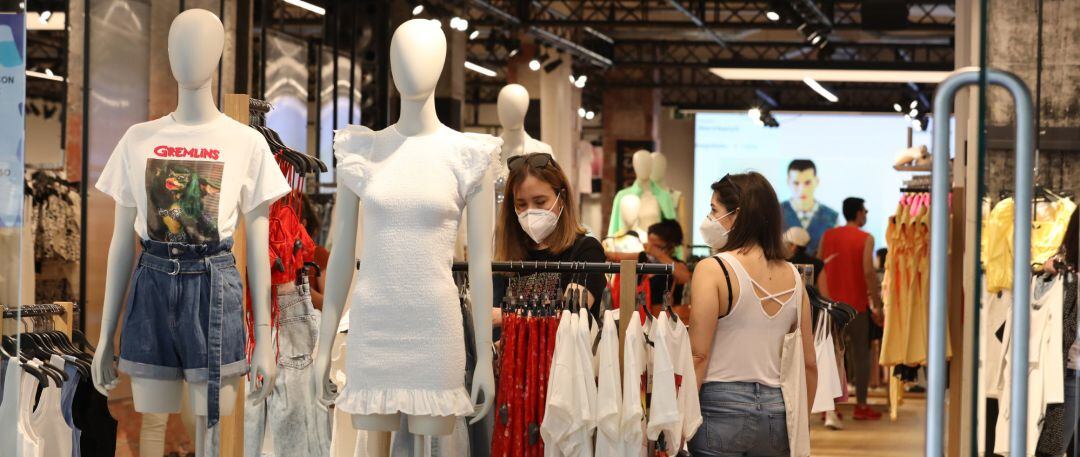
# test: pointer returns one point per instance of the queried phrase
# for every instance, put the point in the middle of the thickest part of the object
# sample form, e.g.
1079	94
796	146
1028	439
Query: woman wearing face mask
744	301
538	222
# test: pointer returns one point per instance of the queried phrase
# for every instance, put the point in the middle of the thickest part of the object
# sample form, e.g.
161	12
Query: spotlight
572	79
417	10
772	15
534	64
581	112
454	22
580	83
754	113
551	66
914	104
815	38
916	124
514	52
913	113
44	17
896	106
589	115
474	34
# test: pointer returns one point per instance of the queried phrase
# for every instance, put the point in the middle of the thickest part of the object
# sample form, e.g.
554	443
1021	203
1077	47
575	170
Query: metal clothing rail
939	262
571	267
36	310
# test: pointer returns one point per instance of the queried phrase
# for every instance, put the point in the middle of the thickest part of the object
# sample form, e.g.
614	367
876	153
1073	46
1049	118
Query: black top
659	283
585	249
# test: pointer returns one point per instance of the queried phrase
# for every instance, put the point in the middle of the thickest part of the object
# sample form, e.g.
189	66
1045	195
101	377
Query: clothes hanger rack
62	313
571	267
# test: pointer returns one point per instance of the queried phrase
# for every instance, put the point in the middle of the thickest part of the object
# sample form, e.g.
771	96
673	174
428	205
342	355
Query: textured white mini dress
406	347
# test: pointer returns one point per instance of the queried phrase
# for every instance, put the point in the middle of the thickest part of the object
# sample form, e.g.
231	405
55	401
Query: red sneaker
865	413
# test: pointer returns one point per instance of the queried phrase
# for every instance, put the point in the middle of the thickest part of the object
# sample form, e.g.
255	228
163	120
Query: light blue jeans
741	419
299	424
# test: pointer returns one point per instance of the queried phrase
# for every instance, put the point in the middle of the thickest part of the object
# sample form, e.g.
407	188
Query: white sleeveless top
748	342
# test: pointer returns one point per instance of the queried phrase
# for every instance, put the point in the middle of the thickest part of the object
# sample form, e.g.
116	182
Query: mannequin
513	104
655	203
417	55
196	39
625	241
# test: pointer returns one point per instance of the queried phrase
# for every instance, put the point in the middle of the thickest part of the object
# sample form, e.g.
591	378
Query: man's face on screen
803	184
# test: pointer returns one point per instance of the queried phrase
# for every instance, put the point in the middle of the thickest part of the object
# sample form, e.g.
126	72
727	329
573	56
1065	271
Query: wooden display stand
232	426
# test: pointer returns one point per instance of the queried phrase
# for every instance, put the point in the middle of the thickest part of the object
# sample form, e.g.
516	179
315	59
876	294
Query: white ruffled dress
406	348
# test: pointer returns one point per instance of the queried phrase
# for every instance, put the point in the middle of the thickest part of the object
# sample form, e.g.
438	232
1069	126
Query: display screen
852	155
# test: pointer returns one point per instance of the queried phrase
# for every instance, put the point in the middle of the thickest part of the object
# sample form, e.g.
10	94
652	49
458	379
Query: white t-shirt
635	359
609	391
674	409
189	183
559	414
586	386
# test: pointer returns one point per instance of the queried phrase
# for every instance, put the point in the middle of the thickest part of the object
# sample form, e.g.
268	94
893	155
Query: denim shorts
184	316
741	419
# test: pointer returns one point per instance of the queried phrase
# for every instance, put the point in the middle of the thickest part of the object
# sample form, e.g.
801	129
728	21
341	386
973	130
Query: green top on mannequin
663	198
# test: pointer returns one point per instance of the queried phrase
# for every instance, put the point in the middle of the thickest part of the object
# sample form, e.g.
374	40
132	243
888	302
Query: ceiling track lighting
580	82
479	69
590	115
307	6
551	66
821	90
417	10
772	15
475	34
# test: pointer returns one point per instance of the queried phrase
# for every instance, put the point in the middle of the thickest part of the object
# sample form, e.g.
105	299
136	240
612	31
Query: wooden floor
882	438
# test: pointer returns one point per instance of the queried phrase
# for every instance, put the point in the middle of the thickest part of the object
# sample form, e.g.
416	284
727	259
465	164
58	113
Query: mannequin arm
263	361
339	274
117	275
481	213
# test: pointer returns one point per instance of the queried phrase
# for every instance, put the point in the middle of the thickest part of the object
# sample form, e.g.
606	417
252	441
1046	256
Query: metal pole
939	233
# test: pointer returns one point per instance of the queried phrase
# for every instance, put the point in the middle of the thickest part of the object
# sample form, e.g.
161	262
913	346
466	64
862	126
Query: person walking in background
803	210
848	253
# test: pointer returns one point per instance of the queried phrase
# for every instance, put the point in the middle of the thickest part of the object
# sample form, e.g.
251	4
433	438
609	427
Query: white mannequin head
643	165
512	105
196	38
629	207
417	55
659	166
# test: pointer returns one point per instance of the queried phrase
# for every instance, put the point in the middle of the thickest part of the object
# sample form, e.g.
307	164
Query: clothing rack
62	313
571	267
628	269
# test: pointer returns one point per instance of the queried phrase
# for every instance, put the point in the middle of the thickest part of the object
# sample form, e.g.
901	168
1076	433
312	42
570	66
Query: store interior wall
43	149
677	143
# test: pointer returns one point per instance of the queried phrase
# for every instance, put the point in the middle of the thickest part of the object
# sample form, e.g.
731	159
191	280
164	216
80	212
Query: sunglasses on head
533	160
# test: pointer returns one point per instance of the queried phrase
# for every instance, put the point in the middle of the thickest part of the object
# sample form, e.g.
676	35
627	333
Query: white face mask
539	223
713	232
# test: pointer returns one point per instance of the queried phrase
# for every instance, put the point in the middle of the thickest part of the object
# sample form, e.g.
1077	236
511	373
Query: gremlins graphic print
182	200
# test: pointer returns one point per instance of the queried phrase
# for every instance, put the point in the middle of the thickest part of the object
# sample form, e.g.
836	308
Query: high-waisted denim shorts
184	317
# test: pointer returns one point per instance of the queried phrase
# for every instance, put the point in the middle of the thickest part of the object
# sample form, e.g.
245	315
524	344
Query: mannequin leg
424	426
200	436
206	441
152	434
156	395
378	427
419	446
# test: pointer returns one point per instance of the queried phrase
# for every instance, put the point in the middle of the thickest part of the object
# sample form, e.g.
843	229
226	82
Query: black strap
727	279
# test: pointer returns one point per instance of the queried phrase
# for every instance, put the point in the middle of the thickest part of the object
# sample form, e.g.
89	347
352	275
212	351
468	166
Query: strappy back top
748	340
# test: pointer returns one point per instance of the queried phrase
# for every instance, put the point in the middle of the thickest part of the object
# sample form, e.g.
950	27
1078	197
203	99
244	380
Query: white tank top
29	441
748	342
48	419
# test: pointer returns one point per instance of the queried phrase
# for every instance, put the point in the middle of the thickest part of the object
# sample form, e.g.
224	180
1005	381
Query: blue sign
12	116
